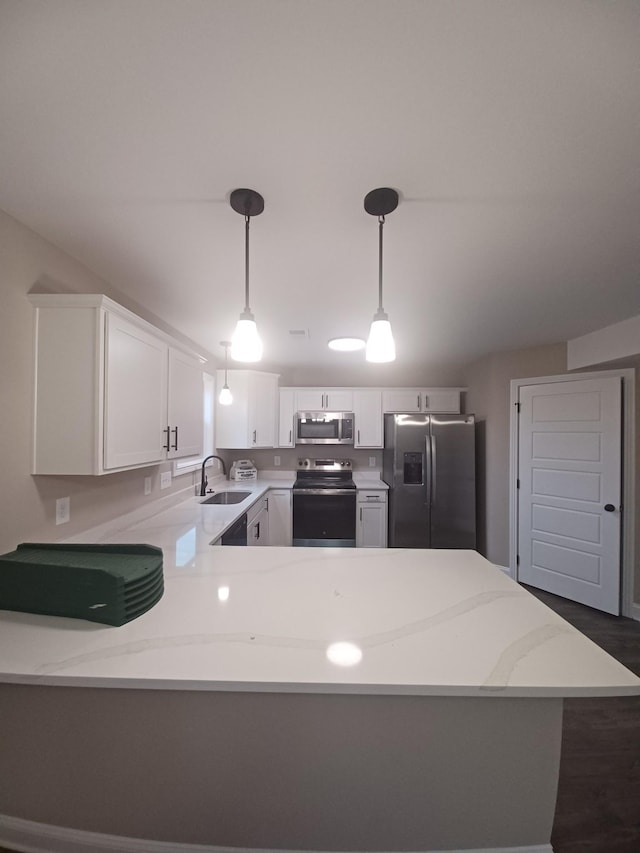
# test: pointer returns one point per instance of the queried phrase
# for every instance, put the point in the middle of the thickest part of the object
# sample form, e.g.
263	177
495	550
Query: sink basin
226	498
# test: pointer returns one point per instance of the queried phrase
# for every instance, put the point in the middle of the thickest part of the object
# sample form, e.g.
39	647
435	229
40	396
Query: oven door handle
324	492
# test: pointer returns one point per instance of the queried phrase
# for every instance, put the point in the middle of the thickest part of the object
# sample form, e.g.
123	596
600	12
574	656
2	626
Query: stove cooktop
324	474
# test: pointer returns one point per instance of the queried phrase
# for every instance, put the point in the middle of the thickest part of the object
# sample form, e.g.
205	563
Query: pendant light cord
380	227
246	263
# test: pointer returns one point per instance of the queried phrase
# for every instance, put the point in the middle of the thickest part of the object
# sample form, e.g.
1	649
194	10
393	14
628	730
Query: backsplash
265	458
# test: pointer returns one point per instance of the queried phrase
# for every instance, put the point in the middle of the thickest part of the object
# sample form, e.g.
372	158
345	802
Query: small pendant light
226	397
380	343
245	343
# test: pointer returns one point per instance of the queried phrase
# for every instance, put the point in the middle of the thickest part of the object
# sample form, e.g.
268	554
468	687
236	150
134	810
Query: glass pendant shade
226	397
245	343
380	344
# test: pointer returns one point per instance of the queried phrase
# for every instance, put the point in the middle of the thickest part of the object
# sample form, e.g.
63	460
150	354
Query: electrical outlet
165	480
372	462
276	460
63	510
147	485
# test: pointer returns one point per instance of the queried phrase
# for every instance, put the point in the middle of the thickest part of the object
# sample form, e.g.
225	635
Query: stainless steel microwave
324	428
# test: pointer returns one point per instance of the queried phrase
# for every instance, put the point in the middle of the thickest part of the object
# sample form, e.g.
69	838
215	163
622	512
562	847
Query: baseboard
29	836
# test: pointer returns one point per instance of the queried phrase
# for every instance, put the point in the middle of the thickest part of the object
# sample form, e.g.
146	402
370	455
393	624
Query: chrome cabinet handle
290	435
254	436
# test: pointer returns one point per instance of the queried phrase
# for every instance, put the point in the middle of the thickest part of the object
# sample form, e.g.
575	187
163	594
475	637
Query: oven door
324	518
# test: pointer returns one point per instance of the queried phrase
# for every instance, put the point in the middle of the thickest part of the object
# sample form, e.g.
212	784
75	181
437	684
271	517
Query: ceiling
510	129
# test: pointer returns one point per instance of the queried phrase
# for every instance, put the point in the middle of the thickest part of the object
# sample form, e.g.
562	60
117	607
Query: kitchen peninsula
294	699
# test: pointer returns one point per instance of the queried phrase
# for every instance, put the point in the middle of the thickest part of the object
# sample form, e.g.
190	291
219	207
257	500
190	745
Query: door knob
609	508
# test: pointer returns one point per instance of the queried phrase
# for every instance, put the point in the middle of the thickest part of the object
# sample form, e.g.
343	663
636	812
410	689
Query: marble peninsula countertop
318	620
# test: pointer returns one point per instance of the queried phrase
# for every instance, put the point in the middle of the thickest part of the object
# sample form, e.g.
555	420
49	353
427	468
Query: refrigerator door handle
427	471
433	470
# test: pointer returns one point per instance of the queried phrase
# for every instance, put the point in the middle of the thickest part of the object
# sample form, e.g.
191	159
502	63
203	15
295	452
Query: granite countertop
418	622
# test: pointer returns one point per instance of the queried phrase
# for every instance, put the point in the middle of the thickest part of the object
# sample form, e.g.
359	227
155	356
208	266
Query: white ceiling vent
300	334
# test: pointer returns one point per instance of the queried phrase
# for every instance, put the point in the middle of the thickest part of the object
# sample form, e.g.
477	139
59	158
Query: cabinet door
280	521
232	422
185	401
286	419
441	400
367	412
402	400
338	400
135	395
310	400
371	529
258	528
263	407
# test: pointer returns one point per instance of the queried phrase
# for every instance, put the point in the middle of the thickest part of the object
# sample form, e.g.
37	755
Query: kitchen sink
226	498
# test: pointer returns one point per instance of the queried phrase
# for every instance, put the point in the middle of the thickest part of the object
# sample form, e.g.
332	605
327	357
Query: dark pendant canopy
380	202
246	202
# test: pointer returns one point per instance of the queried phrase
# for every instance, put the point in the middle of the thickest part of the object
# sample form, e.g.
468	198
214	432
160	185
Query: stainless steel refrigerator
428	463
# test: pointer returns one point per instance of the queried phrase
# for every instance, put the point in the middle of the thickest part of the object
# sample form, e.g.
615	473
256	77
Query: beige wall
28	502
385	375
489	381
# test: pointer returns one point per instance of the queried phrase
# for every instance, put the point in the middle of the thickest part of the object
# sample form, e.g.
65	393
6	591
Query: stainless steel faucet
203	480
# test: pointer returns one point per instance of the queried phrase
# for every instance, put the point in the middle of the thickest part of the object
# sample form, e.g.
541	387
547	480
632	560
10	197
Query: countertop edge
324	689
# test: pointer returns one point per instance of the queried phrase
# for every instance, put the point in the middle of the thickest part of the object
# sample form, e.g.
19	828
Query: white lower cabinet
371	518
258	523
280	518
111	391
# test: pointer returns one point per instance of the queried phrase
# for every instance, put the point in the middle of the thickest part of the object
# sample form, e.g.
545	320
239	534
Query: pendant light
226	397
380	343
245	343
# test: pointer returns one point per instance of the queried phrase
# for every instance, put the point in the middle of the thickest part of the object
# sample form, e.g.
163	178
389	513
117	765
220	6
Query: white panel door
569	498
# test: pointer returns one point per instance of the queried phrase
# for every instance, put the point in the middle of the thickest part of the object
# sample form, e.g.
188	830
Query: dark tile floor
598	808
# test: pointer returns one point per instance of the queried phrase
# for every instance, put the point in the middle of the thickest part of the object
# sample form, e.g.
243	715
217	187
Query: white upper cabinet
251	419
135	400
367	413
324	400
421	400
286	422
111	391
185	399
